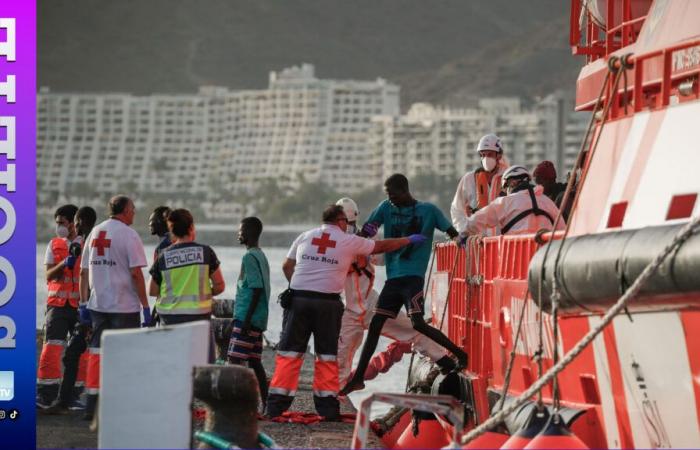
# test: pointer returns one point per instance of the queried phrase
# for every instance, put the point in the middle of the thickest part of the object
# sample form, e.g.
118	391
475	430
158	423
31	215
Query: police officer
316	266
185	276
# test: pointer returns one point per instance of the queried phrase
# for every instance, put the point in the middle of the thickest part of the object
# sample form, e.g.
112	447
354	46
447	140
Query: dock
70	431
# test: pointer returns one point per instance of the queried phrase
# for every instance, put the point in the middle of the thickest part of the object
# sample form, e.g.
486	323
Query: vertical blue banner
17	223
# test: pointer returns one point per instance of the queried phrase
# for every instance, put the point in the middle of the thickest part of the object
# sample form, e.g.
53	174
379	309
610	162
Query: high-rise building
443	141
301	127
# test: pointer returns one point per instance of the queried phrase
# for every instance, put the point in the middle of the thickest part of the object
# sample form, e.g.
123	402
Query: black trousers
320	318
62	322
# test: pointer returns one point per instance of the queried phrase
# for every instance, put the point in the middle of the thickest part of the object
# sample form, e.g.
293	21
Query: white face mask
61	231
489	163
351	229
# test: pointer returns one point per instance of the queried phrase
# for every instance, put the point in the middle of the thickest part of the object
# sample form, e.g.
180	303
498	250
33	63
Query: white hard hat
350	208
490	142
514	172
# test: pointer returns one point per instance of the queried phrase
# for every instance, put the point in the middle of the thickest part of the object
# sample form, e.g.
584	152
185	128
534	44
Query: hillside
446	51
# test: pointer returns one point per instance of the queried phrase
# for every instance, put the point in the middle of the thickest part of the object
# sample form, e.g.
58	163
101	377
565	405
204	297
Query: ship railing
477	271
597	41
658	79
443	405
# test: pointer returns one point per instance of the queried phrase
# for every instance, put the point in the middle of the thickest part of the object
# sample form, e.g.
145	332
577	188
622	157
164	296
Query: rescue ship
588	337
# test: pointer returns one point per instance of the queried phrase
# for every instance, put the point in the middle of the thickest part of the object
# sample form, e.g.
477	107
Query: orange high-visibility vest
486	193
67	287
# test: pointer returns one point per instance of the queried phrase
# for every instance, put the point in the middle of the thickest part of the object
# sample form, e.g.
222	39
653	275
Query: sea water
230	257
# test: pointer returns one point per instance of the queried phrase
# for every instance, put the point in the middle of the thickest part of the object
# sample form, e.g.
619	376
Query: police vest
67	286
184	287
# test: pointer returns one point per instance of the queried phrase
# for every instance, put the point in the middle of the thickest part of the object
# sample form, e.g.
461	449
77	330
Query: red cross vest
67	286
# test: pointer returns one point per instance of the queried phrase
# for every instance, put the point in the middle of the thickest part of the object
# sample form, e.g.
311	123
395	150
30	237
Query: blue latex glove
69	261
417	239
461	239
370	229
84	315
146	317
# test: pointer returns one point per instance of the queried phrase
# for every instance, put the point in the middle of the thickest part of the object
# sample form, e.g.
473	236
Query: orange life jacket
485	194
66	287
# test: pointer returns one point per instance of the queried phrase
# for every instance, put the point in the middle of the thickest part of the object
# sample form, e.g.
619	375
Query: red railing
658	79
596	41
479	272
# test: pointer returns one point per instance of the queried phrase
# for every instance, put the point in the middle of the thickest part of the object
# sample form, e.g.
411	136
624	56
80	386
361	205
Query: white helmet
514	172
350	208
490	142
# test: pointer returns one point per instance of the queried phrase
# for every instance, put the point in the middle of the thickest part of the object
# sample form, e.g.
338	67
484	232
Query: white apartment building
443	141
302	126
119	142
216	139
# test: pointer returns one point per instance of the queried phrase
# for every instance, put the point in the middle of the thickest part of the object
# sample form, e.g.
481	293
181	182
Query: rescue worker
401	215
112	287
62	263
158	226
545	175
251	305
75	356
316	267
481	186
360	301
525	209
185	276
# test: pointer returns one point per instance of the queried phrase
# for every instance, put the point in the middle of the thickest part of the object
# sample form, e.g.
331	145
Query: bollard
231	396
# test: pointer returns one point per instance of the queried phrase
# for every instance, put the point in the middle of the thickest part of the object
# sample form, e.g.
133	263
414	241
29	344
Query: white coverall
502	210
465	199
360	299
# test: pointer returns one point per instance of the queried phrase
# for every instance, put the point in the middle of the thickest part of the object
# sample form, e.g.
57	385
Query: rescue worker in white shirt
479	187
112	286
525	209
62	276
360	301
316	266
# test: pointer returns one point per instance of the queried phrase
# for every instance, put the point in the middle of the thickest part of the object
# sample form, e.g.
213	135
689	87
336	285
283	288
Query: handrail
599	42
653	83
444	405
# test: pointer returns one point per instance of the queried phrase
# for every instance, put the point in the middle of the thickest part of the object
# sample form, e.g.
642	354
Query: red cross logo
101	243
323	243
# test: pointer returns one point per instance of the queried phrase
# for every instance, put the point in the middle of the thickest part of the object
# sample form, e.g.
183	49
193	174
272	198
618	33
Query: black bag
285	298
